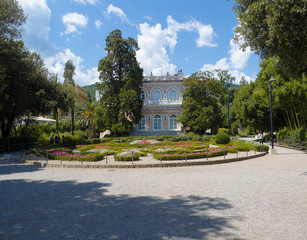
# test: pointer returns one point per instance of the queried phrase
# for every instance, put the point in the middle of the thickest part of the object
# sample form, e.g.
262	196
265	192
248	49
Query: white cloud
56	64
224	65
236	62
92	2
155	42
98	24
149	18
220	64
36	30
36	37
238	58
73	21
118	12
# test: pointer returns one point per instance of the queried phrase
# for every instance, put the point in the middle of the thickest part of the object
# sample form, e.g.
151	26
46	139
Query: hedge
189	155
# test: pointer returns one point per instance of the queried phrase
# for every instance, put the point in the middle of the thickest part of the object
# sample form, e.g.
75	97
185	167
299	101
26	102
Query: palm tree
85	116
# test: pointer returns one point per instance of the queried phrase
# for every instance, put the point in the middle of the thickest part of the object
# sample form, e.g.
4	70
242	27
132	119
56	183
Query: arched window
172	95
142	124
157	94
143	95
173	122
157	122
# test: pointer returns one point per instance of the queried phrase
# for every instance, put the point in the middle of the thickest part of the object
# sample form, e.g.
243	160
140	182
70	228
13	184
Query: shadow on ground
72	210
10	167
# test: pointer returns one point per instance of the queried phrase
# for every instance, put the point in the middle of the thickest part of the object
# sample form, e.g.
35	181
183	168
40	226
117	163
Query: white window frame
142	124
157	121
171	121
155	93
171	93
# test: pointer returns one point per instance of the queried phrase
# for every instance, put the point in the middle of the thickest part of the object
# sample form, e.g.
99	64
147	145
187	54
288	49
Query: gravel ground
262	198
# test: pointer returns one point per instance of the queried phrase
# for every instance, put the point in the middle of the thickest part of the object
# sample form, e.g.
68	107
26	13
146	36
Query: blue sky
172	35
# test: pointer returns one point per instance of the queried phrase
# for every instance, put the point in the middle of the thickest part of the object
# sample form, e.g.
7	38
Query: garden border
155	165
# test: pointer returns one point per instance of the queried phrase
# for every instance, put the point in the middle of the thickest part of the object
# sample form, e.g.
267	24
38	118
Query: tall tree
275	28
121	80
69	72
201	109
11	18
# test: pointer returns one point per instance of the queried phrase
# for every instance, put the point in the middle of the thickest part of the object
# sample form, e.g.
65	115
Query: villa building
162	96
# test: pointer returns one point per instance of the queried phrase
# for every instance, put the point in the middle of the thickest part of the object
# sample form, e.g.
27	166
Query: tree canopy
11	18
275	28
121	80
201	109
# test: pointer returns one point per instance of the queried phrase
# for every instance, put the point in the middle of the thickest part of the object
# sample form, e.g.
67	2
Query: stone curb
156	165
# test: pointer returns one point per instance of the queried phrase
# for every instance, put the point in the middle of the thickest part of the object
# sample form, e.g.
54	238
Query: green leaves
200	108
275	28
121	80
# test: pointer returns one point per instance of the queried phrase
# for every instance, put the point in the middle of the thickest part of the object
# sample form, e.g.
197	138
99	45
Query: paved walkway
263	198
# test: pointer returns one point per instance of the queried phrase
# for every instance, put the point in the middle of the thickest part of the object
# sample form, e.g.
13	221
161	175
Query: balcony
163	102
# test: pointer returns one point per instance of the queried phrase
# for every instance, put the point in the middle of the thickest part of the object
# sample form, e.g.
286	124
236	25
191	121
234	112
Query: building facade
162	96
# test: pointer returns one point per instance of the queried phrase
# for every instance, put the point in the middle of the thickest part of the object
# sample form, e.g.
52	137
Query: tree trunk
72	121
89	129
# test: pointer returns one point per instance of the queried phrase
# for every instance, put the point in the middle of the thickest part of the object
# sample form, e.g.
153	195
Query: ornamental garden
161	148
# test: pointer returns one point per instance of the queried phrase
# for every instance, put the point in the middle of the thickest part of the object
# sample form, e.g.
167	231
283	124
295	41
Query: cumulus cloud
156	43
236	62
98	24
36	37
238	58
118	12
36	30
92	2
56	64
73	21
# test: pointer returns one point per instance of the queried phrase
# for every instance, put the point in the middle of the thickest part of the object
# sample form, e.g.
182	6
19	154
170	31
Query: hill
91	90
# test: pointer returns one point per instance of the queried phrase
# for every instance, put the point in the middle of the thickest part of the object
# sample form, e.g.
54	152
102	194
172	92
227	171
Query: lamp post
228	115
271	80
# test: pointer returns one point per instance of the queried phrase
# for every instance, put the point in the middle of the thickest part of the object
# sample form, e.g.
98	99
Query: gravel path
263	198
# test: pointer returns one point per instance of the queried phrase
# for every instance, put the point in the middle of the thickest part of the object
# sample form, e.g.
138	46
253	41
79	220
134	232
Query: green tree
11	18
121	80
201	109
85	116
275	28
69	72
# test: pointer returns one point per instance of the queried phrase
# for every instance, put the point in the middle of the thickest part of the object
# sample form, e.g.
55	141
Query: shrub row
136	157
68	158
189	155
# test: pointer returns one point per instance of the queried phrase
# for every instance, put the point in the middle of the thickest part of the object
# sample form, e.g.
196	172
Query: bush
197	138
298	134
223	130
118	157
95	141
222	138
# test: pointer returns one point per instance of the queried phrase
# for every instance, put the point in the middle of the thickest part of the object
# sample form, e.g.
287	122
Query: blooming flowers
64	152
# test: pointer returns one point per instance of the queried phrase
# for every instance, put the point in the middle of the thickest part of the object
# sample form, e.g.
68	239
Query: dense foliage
275	28
201	109
222	138
121	80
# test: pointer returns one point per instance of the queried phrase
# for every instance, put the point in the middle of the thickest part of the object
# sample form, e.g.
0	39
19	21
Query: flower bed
66	155
212	152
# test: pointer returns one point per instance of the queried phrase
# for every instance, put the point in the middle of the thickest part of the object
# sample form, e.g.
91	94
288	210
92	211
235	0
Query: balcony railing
163	102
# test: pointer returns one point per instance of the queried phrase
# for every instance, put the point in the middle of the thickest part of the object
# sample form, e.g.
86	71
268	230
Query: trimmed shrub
223	130
118	157
95	141
197	138
194	155
222	138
